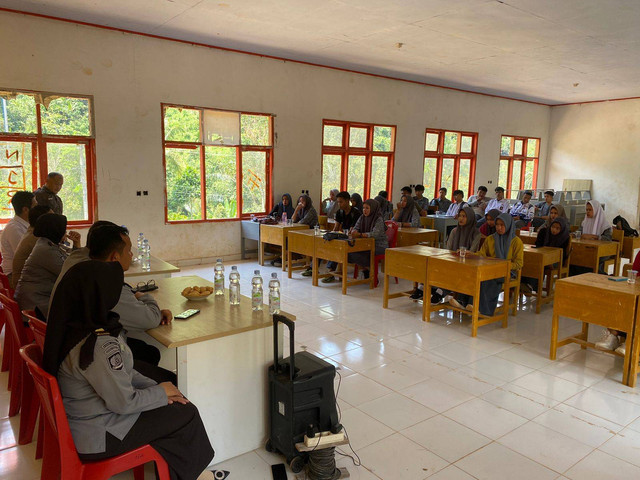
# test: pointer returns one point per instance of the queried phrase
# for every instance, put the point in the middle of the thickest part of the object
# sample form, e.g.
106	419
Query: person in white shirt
15	229
498	203
454	208
523	211
479	202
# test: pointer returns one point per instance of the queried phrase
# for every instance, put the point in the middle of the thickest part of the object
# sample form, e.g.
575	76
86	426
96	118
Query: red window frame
39	141
523	158
239	149
439	155
345	151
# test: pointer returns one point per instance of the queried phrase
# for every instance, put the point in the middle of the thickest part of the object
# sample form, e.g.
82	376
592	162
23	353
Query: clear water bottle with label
234	286
284	217
146	255
218	278
140	241
274	294
256	291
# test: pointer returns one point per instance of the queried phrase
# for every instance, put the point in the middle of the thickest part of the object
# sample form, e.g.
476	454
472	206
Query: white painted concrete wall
130	75
601	142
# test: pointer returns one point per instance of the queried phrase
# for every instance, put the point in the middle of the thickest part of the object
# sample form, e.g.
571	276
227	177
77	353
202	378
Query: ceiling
549	51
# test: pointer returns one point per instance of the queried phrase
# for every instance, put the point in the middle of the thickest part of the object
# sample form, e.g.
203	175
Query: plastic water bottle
284	217
146	255
234	286
218	279
140	240
256	291
274	294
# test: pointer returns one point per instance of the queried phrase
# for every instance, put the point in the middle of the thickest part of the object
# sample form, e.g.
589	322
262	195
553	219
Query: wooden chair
392	237
617	236
512	293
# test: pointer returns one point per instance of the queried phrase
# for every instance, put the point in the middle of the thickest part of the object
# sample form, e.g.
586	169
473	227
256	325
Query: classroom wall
130	75
601	142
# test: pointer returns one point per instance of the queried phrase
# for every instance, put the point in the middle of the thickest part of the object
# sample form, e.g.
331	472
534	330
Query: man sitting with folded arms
543	209
422	202
442	202
523	211
454	208
479	202
346	219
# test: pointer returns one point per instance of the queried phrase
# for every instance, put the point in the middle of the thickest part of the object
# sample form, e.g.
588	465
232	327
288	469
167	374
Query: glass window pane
466	144
447	175
70	160
450	142
515	178
255	130
528	175
464	176
254	182
358	137
503	175
66	116
378	175
15	173
331	170
429	177
517	147
181	124
332	135
221	128
18	114
505	147
382	139
532	147
355	174
220	177
431	144
183	184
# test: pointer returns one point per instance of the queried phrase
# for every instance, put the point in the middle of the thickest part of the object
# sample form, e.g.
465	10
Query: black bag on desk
624	225
335	236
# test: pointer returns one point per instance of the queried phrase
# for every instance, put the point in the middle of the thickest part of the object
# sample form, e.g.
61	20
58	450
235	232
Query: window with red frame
48	132
217	163
357	157
449	161
518	164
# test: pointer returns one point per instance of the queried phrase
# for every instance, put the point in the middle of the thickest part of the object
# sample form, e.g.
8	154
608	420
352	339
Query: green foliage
447	175
431	143
429	177
355	174
181	124
357	137
70	160
21	115
66	116
332	136
254	184
378	175
382	139
505	146
255	130
221	182
451	142
532	146
183	184
331	168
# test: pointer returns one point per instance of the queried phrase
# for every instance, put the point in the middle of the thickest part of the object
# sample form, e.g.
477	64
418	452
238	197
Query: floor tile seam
600	416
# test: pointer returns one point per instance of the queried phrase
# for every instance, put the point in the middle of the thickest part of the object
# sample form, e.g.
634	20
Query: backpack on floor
622	224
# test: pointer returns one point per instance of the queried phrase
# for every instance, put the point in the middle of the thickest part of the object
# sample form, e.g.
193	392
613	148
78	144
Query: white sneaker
609	341
622	349
453	302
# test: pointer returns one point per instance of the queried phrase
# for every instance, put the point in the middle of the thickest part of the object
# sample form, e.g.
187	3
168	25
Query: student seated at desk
356	202
28	241
386	207
465	235
502	244
346	219
422	203
454	208
407	214
369	225
498	203
479	202
523	211
556	235
285	206
489	225
331	206
594	227
554	212
442	202
110	406
543	209
304	213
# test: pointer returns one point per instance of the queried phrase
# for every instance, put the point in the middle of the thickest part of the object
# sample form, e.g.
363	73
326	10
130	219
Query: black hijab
464	236
51	226
358	201
375	212
494	214
286	209
551	240
82	306
407	212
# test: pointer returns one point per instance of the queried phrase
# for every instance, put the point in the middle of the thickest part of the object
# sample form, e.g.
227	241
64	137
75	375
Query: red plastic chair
392	237
60	455
5	284
37	326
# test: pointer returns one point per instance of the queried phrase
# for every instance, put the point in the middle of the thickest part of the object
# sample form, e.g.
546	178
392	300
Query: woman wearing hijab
557	235
304	213
489	226
595	225
111	407
285	206
386	208
502	244
369	225
407	214
43	266
331	204
555	211
356	201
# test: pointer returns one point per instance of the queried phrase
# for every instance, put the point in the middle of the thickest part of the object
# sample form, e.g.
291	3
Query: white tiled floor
425	400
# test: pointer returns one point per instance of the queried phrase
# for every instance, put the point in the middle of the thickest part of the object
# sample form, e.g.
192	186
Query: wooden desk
587	253
535	262
338	251
248	231
159	269
528	237
594	299
412	236
302	242
222	358
276	235
464	275
442	224
409	263
629	245
426	222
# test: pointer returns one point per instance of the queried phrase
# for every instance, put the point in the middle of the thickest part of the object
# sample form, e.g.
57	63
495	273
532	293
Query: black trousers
176	431
145	361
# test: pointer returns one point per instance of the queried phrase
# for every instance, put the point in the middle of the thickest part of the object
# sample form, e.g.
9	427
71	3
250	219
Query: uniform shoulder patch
111	350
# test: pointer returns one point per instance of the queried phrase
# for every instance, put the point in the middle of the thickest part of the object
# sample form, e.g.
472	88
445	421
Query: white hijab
597	224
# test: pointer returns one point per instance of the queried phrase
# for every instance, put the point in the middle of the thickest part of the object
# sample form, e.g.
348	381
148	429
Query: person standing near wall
48	193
